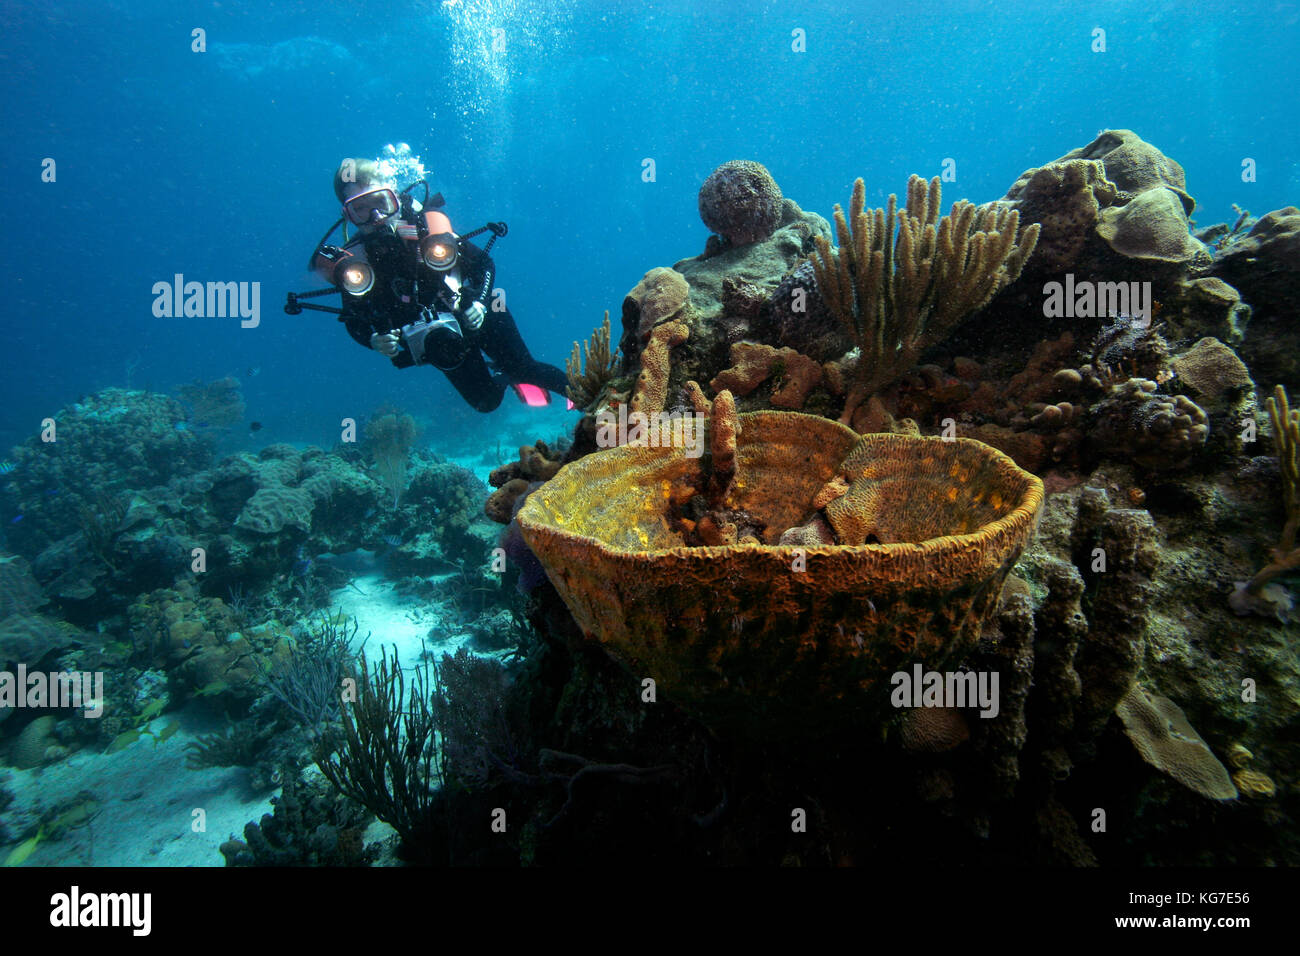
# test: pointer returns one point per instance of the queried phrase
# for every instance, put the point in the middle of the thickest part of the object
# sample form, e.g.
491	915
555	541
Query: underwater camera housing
436	339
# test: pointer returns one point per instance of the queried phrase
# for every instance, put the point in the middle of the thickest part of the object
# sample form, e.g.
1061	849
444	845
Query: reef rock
1265	267
1118	188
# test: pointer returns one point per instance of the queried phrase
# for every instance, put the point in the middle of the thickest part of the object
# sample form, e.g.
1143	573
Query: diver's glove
472	316
388	343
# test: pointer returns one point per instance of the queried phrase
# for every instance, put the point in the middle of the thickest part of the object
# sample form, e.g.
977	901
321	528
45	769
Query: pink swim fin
531	395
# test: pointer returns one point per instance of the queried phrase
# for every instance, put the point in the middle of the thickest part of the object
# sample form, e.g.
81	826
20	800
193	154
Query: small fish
211	690
15	519
51	492
153	710
393	540
255	427
78	815
122	741
166	733
7	467
253	371
25	849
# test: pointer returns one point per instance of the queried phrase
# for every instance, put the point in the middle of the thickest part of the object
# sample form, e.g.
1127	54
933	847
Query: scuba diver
419	294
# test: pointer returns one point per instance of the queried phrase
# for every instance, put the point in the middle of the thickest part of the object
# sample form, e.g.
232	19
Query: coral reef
202	645
1139	425
311	825
536	463
113	440
1265	267
899	292
693	623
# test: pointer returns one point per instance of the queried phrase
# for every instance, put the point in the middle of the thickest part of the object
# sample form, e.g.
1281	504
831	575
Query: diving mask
371	206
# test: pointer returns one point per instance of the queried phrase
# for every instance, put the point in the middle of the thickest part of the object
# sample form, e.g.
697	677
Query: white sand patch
393	619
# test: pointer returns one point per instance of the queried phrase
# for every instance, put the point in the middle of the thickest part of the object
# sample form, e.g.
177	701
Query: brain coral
761	638
741	202
272	509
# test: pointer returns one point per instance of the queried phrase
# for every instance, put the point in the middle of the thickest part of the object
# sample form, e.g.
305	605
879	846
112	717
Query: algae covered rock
1265	267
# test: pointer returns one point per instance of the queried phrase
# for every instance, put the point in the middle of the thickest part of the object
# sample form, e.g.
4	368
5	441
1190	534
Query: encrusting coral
753	364
899	291
592	369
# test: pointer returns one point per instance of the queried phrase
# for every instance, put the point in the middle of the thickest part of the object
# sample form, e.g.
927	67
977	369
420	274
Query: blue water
217	164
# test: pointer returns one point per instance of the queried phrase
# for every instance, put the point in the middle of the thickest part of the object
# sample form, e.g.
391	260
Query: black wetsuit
403	285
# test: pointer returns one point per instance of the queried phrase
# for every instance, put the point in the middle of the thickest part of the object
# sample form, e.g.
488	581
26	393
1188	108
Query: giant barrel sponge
762	640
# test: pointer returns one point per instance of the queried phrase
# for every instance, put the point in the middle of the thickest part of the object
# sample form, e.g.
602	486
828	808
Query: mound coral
741	202
1066	198
766	638
1119	188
